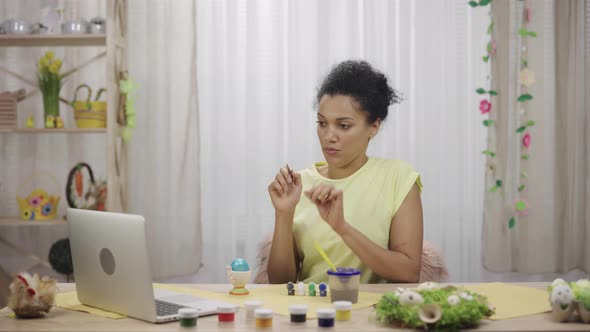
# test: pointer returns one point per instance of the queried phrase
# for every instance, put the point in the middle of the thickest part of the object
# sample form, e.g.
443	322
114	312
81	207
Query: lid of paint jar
342	305
298	309
188	313
326	313
263	313
226	308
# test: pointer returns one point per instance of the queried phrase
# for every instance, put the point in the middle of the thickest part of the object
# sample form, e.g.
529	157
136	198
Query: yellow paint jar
343	310
263	318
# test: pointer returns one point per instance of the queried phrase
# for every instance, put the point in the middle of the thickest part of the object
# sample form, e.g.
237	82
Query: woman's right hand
285	190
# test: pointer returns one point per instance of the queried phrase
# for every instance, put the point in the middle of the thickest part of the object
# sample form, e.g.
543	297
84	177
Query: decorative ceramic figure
239	275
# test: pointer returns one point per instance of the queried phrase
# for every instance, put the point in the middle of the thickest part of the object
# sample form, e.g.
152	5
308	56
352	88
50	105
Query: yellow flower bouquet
50	82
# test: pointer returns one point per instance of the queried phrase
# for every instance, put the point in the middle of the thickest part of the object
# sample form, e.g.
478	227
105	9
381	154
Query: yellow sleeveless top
372	196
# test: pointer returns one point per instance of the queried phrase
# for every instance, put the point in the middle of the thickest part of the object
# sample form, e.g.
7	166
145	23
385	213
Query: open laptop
112	269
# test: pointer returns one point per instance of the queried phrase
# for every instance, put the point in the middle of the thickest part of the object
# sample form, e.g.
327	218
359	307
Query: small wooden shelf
53	130
16	221
53	40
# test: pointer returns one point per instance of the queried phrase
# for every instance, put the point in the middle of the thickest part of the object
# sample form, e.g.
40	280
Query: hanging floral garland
485	104
526	80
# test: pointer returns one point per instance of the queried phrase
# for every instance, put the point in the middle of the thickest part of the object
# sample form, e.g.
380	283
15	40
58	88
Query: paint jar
343	310
251	306
226	313
188	318
298	313
326	317
344	284
263	318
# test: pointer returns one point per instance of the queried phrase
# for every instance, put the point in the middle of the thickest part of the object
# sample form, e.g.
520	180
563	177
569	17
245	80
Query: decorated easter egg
428	285
562	294
410	297
453	300
240	264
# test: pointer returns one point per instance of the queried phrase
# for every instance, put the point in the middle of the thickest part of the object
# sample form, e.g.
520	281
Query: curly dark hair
366	85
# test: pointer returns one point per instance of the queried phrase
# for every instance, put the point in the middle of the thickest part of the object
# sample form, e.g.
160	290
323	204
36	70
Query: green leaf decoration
486	58
520	206
530	123
521	129
473	4
521	187
490	28
525	33
480	91
494	189
489	153
484	2
498	183
493	92
488	122
524	97
511	223
525	156
489	47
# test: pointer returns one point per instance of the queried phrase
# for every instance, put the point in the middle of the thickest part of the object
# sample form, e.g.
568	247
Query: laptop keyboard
166	308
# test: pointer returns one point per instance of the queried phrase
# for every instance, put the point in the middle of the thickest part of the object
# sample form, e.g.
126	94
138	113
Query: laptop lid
111	265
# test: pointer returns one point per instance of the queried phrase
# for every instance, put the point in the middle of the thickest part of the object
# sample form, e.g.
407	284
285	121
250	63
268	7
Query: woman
365	212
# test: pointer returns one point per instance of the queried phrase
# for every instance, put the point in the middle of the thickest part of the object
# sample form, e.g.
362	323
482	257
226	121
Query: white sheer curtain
164	162
260	63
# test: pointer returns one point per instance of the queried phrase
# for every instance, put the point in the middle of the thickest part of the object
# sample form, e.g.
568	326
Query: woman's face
343	130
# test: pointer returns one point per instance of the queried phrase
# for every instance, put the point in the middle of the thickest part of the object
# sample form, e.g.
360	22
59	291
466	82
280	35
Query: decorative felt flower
485	106
527	15
35	201
466	296
522	207
526	140
493	47
28	214
526	77
47	209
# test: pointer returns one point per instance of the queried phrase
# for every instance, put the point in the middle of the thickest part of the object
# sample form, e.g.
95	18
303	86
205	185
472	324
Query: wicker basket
8	104
32	311
90	114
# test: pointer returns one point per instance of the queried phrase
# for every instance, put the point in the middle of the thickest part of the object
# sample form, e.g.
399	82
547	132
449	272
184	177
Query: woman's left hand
329	202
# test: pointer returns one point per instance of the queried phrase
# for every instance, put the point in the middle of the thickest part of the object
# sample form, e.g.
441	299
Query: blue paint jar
326	317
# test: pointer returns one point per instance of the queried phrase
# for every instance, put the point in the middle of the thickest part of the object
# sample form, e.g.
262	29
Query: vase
50	108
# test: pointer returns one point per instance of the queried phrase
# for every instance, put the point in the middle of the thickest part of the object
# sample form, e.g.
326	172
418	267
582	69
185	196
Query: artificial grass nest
433	307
